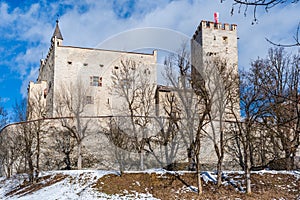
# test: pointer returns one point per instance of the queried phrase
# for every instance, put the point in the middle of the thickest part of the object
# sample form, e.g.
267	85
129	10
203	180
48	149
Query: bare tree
64	144
3	122
123	143
279	79
22	141
71	102
270	107
28	137
132	83
253	107
194	106
36	109
3	116
222	85
168	137
10	152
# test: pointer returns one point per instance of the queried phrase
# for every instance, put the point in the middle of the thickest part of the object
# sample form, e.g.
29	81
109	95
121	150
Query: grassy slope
162	185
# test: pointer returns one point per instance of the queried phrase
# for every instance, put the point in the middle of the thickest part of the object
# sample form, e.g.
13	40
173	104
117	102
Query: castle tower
215	40
215	44
214	58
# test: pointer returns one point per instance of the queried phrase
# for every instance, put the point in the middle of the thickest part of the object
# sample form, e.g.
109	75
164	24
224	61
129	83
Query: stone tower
216	44
215	39
214	58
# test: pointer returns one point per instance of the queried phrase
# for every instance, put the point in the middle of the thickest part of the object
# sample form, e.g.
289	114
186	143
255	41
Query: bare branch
296	38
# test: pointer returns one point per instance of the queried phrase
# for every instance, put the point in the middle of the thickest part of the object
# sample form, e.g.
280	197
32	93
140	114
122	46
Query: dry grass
175	186
170	186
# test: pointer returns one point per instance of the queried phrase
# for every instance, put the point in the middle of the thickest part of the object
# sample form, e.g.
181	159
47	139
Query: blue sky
27	26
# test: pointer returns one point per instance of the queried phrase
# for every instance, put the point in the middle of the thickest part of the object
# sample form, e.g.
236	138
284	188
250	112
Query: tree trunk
248	179
79	160
199	182
141	160
247	166
67	160
191	158
220	158
121	162
166	155
219	172
8	175
38	150
31	168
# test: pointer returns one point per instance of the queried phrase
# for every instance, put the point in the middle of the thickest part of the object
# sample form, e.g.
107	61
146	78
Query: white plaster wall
72	64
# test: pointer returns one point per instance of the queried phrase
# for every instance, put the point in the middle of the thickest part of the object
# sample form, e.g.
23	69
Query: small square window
85	64
89	100
225	39
116	67
101	65
70	62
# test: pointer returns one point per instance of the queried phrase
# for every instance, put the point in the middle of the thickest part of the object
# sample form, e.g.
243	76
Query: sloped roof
57	32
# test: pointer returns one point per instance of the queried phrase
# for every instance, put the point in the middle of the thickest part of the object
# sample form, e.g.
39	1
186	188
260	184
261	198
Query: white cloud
88	23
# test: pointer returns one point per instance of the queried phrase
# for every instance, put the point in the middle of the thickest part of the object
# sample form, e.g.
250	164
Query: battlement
212	25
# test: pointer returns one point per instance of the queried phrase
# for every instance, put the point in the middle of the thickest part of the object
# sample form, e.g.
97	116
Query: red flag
216	17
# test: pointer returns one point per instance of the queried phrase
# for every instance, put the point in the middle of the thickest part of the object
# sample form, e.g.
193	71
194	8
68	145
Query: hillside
151	184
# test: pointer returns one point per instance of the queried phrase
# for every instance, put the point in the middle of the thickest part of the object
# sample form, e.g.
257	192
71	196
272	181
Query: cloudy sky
27	26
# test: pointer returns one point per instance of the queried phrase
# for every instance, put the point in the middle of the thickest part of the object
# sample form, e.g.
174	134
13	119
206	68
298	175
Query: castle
106	84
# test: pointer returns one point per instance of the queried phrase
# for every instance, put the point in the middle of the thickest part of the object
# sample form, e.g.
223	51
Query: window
85	64
45	93
89	100
225	39
116	67
70	62
101	65
96	81
211	53
147	71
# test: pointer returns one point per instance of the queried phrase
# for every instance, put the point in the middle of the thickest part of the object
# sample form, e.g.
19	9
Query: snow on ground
77	184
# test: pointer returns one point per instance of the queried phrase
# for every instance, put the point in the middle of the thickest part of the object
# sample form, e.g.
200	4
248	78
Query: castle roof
57	32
